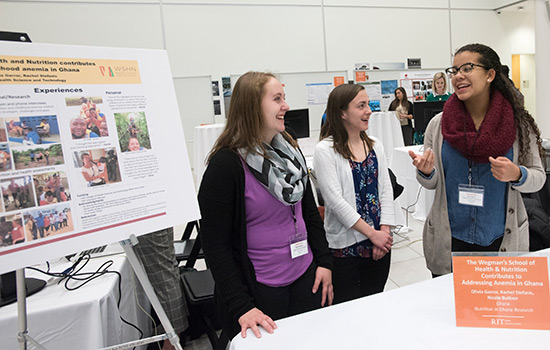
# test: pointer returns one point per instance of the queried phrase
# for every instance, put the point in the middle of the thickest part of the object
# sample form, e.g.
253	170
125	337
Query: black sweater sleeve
315	231
220	199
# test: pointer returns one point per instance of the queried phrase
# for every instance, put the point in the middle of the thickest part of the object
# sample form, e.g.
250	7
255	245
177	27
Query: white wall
528	79
222	37
542	42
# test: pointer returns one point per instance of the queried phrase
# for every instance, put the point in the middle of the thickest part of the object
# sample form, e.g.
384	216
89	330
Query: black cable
73	273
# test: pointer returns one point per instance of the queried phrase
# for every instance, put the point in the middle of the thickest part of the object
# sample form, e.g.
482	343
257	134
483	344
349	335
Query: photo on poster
374	105
37	156
5	157
97	167
48	221
3	135
11	230
32	130
133	134
87	120
17	193
51	188
215	88
388	87
226	86
217	107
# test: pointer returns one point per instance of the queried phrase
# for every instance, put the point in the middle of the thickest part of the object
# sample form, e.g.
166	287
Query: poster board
64	108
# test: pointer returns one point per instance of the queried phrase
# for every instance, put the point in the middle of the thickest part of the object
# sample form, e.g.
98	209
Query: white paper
149	189
317	93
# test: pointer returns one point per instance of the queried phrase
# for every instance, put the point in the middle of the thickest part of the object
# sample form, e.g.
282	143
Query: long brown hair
338	102
404	100
245	123
525	123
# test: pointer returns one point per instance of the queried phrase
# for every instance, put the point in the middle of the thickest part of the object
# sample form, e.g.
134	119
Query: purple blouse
269	227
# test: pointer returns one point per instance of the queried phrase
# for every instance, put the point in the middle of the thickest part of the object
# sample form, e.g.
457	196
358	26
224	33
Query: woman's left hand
377	253
324	276
504	170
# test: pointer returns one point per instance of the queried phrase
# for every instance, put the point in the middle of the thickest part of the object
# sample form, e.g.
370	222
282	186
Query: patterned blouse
365	180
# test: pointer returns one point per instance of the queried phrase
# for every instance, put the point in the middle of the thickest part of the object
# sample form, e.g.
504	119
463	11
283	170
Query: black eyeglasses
465	69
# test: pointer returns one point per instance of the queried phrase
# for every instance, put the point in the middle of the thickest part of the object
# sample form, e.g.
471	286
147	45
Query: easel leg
23	334
21	308
149	291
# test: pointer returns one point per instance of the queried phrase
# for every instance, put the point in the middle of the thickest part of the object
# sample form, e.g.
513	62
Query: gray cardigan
437	230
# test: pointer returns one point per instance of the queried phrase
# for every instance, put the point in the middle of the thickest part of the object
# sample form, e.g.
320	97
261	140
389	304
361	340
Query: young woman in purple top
262	234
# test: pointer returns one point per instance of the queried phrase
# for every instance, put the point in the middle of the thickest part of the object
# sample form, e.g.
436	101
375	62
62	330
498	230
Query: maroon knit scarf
497	132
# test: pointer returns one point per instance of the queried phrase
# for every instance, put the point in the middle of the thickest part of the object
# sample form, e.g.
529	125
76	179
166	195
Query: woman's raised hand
424	162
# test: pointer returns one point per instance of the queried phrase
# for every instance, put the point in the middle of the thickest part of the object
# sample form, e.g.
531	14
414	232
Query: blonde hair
438	76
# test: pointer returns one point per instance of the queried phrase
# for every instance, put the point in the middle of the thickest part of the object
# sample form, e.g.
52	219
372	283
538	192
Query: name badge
471	195
298	245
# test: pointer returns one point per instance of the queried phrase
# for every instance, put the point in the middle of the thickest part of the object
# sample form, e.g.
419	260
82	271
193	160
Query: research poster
502	292
91	150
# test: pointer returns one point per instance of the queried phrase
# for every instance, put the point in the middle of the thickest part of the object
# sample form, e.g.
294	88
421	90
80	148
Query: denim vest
472	224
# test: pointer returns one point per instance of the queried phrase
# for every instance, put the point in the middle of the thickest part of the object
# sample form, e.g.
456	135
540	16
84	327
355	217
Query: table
405	172
386	127
87	318
205	137
419	316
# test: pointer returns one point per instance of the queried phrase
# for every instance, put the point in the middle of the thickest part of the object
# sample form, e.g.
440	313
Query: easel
23	334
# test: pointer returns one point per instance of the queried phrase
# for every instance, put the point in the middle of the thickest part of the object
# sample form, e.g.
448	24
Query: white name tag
298	245
471	195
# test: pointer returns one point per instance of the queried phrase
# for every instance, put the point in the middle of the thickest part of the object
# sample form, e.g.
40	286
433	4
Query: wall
223	37
528	82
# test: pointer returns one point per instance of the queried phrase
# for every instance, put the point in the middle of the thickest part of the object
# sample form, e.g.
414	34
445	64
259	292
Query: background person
353	178
133	144
31	137
484	133
257	208
79	130
439	88
43	129
90	171
404	109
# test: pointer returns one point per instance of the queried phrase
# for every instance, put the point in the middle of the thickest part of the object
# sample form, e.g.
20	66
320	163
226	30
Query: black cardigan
223	232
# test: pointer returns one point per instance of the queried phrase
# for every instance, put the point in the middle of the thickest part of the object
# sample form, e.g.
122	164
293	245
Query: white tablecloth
87	318
205	137
386	127
405	172
420	316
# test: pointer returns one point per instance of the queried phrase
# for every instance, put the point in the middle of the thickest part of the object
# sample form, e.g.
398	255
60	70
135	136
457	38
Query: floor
407	267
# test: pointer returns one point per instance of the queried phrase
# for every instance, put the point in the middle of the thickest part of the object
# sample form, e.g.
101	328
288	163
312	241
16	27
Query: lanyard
470	151
293	209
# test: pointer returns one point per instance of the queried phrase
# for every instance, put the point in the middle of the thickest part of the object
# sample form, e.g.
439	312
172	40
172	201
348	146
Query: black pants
458	245
354	278
407	131
296	298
